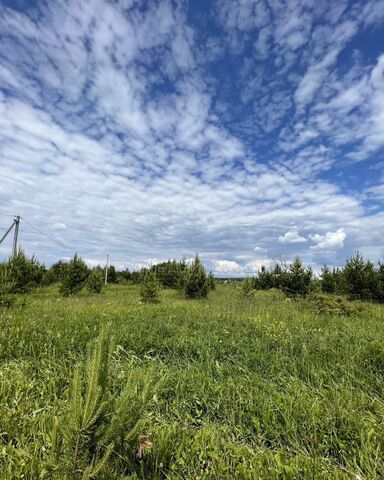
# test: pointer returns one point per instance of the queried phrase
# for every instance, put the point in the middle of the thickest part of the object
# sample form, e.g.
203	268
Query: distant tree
21	271
58	270
124	276
136	276
328	280
112	275
48	278
76	274
170	273
196	284
277	274
247	287
149	290
296	282
94	283
361	279
264	279
211	281
380	291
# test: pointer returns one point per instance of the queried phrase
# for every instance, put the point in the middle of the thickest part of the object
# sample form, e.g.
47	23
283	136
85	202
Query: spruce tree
196	282
75	276
149	291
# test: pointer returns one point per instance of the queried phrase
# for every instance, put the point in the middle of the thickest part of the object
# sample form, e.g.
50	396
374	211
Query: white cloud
226	267
329	240
292	236
115	134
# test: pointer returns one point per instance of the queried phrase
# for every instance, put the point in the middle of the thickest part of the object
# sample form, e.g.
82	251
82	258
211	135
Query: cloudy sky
245	130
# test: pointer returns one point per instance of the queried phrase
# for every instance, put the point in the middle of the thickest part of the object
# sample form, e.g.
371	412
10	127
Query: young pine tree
21	271
328	284
75	276
297	280
94	282
247	287
149	291
211	281
196	282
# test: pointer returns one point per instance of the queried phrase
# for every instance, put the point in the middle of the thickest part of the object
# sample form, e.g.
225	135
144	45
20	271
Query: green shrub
196	282
211	281
94	283
297	280
247	287
25	273
149	290
75	276
6	288
327	304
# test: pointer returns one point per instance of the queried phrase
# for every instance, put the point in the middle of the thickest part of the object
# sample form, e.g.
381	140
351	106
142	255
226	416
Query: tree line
20	274
358	279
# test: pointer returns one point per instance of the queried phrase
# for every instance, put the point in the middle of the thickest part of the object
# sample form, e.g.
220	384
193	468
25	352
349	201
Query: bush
94	282
170	273
20	269
6	288
327	304
149	291
196	282
75	276
247	287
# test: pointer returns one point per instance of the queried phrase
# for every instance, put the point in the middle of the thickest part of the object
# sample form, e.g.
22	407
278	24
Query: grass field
221	388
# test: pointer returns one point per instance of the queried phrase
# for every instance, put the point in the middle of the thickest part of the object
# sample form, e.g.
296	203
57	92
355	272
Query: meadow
104	387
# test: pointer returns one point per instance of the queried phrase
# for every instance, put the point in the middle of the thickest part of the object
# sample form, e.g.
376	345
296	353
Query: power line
7	214
45	235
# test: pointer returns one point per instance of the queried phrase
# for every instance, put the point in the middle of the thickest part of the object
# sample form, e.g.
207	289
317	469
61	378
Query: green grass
220	388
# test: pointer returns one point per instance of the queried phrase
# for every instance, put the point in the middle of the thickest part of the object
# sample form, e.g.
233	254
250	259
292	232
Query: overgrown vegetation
103	386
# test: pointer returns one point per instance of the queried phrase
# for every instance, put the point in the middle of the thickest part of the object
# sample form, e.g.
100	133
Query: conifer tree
211	281
21	272
328	283
149	291
264	280
247	287
297	280
94	282
196	283
75	276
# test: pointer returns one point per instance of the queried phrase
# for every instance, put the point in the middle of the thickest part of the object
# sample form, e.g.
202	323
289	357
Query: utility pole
15	236
106	271
15	224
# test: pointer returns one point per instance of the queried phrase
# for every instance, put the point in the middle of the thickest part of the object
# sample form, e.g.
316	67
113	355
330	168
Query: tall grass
102	386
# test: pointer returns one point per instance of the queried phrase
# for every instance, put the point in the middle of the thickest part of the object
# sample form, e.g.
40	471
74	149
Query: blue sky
247	131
